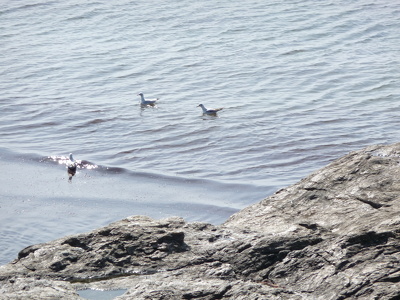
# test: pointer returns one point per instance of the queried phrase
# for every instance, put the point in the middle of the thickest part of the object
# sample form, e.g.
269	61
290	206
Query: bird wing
214	110
150	100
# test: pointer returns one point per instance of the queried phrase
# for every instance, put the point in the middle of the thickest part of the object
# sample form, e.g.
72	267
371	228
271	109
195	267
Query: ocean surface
301	83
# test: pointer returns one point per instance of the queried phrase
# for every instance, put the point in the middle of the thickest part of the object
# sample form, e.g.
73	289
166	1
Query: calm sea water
301	83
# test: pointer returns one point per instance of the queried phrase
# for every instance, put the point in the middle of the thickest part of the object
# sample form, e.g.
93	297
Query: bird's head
140	94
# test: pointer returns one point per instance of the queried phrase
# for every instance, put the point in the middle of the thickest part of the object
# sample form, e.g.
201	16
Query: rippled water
301	83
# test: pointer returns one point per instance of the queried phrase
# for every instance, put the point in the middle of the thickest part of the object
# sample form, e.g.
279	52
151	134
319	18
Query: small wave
173	180
294	52
63	160
26	7
96	121
88	123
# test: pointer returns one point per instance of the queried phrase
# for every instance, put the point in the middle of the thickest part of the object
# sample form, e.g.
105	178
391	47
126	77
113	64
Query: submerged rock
333	235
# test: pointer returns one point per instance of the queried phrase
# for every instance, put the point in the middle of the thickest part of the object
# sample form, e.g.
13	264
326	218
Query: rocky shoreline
333	235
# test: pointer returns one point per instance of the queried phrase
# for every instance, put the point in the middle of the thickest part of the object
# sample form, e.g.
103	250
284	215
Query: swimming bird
71	167
211	111
145	102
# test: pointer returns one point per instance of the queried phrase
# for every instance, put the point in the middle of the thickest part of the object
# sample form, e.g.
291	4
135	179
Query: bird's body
145	102
71	166
210	111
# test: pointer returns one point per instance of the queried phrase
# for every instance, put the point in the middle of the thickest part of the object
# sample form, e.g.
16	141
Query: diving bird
211	111
145	102
71	167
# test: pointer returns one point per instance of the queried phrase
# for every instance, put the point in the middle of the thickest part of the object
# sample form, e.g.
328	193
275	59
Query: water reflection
100	295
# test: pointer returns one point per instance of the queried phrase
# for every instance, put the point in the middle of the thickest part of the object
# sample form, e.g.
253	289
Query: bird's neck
142	97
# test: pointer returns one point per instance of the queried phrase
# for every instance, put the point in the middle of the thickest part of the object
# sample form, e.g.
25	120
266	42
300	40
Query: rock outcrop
333	235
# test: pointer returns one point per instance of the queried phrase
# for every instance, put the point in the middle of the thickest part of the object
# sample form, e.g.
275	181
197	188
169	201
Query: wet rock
333	235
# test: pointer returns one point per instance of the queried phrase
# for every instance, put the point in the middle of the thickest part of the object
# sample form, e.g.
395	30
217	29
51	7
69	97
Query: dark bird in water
71	167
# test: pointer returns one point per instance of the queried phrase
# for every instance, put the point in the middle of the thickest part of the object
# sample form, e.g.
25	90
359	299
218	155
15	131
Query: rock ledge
333	235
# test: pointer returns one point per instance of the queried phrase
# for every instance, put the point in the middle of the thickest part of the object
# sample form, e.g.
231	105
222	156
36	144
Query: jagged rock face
333	235
359	189
134	245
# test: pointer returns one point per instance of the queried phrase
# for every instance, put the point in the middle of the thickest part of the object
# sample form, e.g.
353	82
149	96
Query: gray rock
19	288
333	235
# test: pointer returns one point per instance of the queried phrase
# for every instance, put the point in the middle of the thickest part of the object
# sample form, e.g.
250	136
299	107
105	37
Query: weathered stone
333	235
31	288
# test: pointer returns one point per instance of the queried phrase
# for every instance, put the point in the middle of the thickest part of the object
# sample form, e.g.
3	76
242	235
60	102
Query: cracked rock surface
333	235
